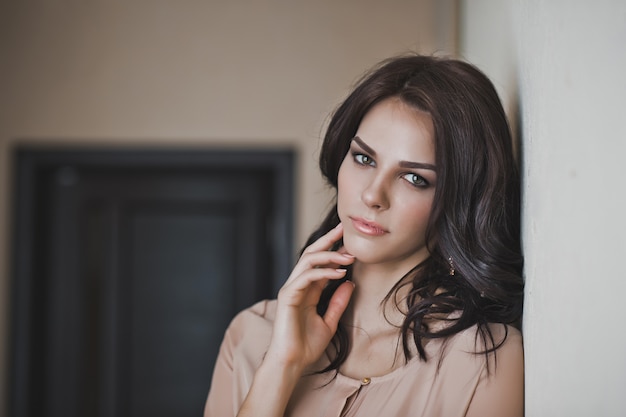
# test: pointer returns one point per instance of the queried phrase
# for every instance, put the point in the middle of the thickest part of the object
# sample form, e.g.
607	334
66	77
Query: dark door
129	267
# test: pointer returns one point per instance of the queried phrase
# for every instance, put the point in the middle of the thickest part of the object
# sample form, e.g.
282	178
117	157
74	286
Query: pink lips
367	227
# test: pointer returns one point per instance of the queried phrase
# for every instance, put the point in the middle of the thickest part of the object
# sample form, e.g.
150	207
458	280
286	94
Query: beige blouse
415	389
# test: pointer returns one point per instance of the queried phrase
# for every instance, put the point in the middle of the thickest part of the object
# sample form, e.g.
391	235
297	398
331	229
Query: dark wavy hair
475	217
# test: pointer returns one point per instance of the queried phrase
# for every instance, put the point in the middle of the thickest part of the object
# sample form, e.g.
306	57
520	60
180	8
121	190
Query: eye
416	180
362	159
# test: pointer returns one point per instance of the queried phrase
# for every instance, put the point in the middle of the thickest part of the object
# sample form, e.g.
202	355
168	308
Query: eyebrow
403	164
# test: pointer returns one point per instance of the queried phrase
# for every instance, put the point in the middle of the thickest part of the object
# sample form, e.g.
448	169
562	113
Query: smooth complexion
386	187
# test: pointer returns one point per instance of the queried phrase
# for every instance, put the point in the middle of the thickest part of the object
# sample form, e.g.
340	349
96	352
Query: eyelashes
412	178
362	159
416	180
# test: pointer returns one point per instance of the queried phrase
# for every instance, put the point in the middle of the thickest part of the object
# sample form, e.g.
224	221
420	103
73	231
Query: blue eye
363	159
415	180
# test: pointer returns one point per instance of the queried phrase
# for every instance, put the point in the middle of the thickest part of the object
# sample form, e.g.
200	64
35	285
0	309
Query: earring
451	266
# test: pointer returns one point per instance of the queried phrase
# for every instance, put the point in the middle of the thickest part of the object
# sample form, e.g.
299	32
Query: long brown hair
475	217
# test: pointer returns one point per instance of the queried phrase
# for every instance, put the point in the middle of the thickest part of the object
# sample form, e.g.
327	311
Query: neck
367	309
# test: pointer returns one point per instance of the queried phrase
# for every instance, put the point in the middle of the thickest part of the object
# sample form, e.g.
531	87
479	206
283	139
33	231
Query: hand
300	334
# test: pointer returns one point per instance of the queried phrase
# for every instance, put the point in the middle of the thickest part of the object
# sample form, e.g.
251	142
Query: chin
362	249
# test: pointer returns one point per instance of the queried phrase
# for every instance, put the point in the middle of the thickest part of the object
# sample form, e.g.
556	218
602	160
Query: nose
375	194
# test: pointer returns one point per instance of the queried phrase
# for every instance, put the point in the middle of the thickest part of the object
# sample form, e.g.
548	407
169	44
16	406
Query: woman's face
386	186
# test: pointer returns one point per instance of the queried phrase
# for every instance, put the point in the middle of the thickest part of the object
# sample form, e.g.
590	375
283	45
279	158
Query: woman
406	298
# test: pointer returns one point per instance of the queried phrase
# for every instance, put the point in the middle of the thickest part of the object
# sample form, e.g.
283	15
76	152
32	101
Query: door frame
31	162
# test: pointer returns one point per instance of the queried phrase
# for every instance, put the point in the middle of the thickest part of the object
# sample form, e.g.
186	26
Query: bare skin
385	193
300	335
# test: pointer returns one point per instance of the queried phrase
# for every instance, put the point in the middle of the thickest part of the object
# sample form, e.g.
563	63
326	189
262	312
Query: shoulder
494	335
258	316
468	346
499	390
262	310
247	336
466	379
241	352
250	330
503	342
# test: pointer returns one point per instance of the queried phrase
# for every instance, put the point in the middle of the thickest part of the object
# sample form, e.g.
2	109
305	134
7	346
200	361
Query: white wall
565	62
192	73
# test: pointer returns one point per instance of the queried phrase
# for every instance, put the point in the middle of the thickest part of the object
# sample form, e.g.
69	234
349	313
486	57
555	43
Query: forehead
399	130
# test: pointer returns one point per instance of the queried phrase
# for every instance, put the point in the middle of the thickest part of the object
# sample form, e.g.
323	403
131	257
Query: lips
367	227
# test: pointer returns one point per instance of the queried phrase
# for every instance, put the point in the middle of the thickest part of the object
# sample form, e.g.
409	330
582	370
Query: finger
316	260
326	241
342	250
307	278
337	305
325	259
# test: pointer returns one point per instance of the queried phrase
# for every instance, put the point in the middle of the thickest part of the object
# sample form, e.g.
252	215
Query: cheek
416	216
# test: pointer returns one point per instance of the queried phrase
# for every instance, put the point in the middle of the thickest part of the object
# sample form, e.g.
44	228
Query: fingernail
341	270
347	255
339	225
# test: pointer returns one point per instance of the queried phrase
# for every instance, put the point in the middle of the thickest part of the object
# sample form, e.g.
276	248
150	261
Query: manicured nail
339	225
343	271
347	255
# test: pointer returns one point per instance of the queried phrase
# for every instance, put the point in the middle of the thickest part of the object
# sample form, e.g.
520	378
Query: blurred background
158	173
